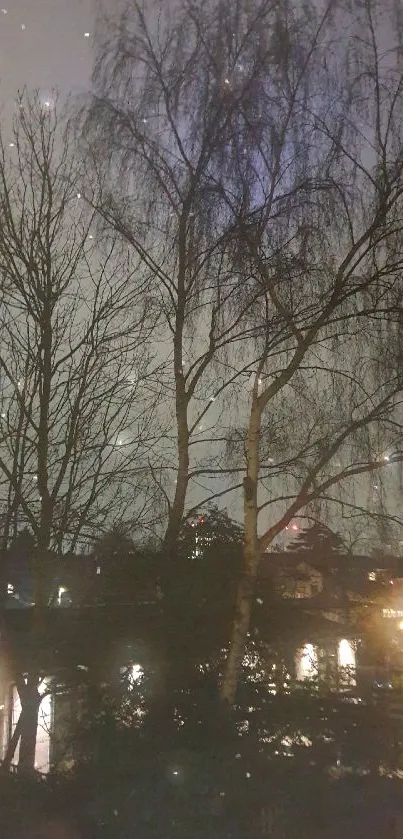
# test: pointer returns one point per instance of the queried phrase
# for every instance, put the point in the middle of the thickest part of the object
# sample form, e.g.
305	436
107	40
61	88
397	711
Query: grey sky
43	44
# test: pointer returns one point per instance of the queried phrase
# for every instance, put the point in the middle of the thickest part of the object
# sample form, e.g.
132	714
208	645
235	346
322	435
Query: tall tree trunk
30	698
30	702
170	569
181	411
29	694
246	586
182	478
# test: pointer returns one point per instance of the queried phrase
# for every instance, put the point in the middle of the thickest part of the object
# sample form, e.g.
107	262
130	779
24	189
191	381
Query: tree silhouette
319	541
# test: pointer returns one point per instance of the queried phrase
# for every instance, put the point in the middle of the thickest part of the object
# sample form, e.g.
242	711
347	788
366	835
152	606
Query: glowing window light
347	662
134	673
392	613
60	598
306	663
44	727
15	715
346	654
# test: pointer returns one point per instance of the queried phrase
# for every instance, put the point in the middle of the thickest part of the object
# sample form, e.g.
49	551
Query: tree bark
251	559
182	478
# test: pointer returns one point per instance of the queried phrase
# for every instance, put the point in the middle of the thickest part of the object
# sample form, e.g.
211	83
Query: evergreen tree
318	544
209	562
127	572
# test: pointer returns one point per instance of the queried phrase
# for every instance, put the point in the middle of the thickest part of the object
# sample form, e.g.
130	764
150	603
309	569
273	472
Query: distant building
305	576
202	536
297	581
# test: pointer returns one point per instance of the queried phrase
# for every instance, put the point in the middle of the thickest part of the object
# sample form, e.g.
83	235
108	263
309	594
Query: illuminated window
347	662
306	663
392	613
63	597
44	727
134	674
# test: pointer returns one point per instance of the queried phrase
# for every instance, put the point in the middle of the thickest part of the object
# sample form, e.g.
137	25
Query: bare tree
76	397
156	136
321	236
251	155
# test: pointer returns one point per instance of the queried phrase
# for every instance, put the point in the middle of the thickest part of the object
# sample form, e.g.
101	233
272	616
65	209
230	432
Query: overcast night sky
43	44
47	45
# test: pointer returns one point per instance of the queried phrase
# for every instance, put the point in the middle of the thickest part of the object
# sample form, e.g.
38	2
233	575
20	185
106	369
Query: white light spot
11	145
134	674
248	775
86	34
23	26
226	81
137	672
61	592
